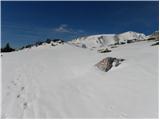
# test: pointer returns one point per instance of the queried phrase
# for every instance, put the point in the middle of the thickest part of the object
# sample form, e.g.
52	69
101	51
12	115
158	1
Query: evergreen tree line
7	48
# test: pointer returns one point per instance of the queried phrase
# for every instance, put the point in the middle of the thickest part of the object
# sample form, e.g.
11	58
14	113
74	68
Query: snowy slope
130	36
106	39
94	40
153	36
62	82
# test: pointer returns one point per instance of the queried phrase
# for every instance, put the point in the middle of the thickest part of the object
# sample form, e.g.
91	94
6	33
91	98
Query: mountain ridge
99	40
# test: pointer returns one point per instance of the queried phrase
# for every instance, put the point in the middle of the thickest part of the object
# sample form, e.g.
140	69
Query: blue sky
27	22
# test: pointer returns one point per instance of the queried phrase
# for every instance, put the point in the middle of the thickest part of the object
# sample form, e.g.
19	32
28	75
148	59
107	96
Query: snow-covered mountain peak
94	41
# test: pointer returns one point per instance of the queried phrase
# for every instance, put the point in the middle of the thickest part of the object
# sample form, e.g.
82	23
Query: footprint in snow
18	96
123	115
14	83
22	88
25	105
4	116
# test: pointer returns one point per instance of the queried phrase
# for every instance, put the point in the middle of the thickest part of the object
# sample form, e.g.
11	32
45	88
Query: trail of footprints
21	96
18	86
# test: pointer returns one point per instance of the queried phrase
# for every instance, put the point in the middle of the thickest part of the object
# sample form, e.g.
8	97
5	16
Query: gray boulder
107	63
84	46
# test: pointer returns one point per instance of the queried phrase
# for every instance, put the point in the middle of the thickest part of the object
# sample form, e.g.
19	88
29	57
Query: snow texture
62	82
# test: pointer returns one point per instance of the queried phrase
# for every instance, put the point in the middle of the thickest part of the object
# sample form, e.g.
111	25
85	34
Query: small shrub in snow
38	43
48	41
28	46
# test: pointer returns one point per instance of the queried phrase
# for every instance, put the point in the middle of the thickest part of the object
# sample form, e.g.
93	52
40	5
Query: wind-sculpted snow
62	82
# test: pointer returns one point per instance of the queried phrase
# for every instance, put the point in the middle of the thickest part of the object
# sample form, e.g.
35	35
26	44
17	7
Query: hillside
62	82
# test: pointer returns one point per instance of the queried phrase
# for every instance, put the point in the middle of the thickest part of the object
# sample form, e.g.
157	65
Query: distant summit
101	40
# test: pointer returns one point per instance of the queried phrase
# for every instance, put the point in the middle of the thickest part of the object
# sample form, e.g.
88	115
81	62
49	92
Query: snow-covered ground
62	82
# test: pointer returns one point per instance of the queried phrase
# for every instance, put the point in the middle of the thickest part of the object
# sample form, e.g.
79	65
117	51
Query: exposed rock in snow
113	46
107	63
104	50
153	36
84	46
157	43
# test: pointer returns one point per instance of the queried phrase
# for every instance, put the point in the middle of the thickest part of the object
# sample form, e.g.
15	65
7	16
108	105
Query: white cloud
64	28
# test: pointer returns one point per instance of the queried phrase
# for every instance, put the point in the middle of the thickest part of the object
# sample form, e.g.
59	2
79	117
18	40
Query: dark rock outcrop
84	46
154	36
154	44
104	50
113	46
